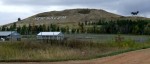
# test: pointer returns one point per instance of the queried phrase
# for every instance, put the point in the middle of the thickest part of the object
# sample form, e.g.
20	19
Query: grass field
69	50
104	38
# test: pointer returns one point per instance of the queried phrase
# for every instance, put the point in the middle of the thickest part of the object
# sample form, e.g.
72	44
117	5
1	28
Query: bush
84	11
66	50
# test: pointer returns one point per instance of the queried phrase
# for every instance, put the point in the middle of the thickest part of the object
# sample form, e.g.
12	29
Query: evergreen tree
14	26
147	30
3	28
81	25
24	30
19	19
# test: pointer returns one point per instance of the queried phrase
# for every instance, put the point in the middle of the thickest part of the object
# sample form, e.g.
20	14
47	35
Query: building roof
6	33
49	33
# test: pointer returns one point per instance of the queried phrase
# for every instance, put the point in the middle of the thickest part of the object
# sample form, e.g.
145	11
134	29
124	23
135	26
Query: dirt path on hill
134	57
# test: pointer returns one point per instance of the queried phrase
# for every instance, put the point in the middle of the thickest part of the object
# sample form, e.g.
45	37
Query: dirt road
134	57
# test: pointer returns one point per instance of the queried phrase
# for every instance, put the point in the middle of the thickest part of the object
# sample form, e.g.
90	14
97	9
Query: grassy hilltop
72	17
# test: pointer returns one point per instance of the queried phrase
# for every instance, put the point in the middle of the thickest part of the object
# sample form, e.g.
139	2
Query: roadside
134	57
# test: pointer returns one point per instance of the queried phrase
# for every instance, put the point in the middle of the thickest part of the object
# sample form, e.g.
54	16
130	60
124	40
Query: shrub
84	11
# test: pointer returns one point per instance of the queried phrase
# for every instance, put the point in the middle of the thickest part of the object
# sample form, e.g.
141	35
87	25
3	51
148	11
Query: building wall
58	37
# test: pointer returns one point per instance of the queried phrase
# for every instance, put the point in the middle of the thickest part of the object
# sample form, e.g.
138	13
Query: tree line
140	27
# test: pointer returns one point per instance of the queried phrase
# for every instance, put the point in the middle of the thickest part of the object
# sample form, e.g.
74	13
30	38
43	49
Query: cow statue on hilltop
135	13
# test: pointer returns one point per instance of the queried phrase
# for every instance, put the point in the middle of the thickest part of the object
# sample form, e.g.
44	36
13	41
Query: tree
19	19
53	27
44	27
81	25
63	30
147	30
24	30
0	28
3	28
94	28
14	26
73	31
19	29
57	29
67	29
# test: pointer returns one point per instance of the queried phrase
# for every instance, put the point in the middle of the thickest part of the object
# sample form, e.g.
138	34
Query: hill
71	17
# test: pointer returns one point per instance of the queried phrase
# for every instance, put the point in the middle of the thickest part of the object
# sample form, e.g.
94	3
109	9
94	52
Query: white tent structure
50	35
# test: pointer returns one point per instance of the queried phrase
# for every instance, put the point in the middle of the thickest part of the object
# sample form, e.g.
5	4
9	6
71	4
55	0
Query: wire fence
98	38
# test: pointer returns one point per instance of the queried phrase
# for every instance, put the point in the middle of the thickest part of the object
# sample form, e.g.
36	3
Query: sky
10	10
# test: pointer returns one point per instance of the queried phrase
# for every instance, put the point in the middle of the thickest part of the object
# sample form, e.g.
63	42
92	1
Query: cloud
55	2
122	6
127	6
13	9
26	8
9	17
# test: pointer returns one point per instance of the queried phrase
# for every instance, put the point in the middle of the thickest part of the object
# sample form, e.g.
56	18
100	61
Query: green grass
104	38
70	50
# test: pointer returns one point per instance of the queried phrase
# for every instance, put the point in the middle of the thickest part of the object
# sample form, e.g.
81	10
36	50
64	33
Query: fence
98	38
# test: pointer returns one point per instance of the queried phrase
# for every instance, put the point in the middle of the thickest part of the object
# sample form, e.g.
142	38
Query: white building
9	35
50	35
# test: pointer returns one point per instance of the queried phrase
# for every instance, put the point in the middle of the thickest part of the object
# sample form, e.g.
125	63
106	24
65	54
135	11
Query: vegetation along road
134	57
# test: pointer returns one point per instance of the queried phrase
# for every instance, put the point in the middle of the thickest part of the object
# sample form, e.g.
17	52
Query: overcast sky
10	10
